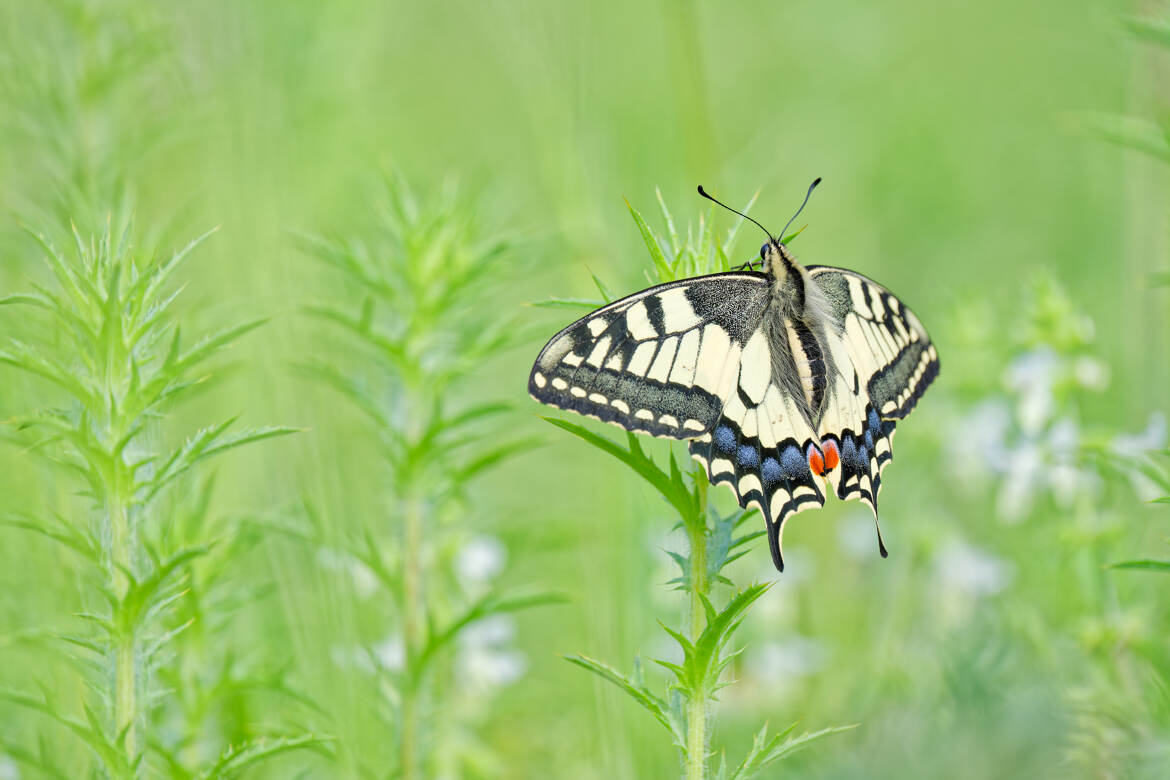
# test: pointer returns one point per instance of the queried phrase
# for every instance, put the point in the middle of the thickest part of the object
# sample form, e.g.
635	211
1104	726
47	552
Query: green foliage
1144	135
105	338
1161	478
766	750
414	324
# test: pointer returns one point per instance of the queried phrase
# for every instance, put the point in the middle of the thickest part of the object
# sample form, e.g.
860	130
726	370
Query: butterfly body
784	380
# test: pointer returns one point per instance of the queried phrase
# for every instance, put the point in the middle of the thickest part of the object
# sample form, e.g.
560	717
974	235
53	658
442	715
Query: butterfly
787	381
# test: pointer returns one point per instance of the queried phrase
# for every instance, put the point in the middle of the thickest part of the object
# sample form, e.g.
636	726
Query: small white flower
972	570
1153	437
480	560
1091	373
1064	438
365	582
493	631
349	657
1137	444
800	564
1067	482
1023	476
488	667
857	536
663	648
1031	378
391	653
778	662
486	658
330	558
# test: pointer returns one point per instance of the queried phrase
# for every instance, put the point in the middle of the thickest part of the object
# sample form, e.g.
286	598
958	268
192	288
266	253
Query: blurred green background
962	169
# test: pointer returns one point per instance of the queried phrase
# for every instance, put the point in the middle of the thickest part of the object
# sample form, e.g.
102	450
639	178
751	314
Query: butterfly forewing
663	361
888	347
885	361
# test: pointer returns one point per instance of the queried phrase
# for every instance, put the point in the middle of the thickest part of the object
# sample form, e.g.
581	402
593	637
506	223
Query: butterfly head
778	260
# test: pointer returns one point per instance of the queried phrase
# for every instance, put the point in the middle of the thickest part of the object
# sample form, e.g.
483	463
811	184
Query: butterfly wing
759	447
663	361
884	362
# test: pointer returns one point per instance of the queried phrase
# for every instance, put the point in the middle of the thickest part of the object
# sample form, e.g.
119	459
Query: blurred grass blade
248	754
1147	564
664	269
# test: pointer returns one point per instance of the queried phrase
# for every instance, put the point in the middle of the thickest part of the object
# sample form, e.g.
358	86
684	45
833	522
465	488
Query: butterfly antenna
708	196
807	195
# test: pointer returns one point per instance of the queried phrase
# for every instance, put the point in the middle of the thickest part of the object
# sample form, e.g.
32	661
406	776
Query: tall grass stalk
686	711
1151	138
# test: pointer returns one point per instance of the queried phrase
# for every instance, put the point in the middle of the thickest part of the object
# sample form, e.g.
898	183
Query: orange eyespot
815	461
832	454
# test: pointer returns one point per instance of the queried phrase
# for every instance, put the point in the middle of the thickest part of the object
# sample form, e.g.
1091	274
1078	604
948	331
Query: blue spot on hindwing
792	463
724	439
874	422
748	456
770	471
849	452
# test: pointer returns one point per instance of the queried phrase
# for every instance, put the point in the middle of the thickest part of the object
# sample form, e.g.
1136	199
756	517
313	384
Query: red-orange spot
815	461
832	454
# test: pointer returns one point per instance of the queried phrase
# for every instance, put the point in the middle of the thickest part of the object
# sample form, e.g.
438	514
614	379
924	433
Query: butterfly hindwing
759	447
856	444
663	361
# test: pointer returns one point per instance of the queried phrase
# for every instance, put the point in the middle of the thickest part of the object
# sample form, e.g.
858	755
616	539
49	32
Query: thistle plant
416	328
686	709
81	83
112	362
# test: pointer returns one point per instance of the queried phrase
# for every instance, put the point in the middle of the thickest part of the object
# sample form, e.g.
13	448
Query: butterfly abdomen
809	360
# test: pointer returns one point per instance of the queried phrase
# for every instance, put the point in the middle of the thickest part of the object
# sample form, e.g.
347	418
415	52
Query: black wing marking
662	361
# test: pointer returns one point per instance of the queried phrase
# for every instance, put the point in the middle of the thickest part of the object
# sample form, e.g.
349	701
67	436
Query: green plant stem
696	752
412	612
125	648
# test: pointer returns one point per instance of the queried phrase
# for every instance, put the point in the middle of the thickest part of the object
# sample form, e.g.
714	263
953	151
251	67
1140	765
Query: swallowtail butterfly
785	380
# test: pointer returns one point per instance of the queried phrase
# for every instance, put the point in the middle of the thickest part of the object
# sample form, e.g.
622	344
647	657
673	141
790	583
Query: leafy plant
105	342
1161	478
685	710
75	78
416	325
